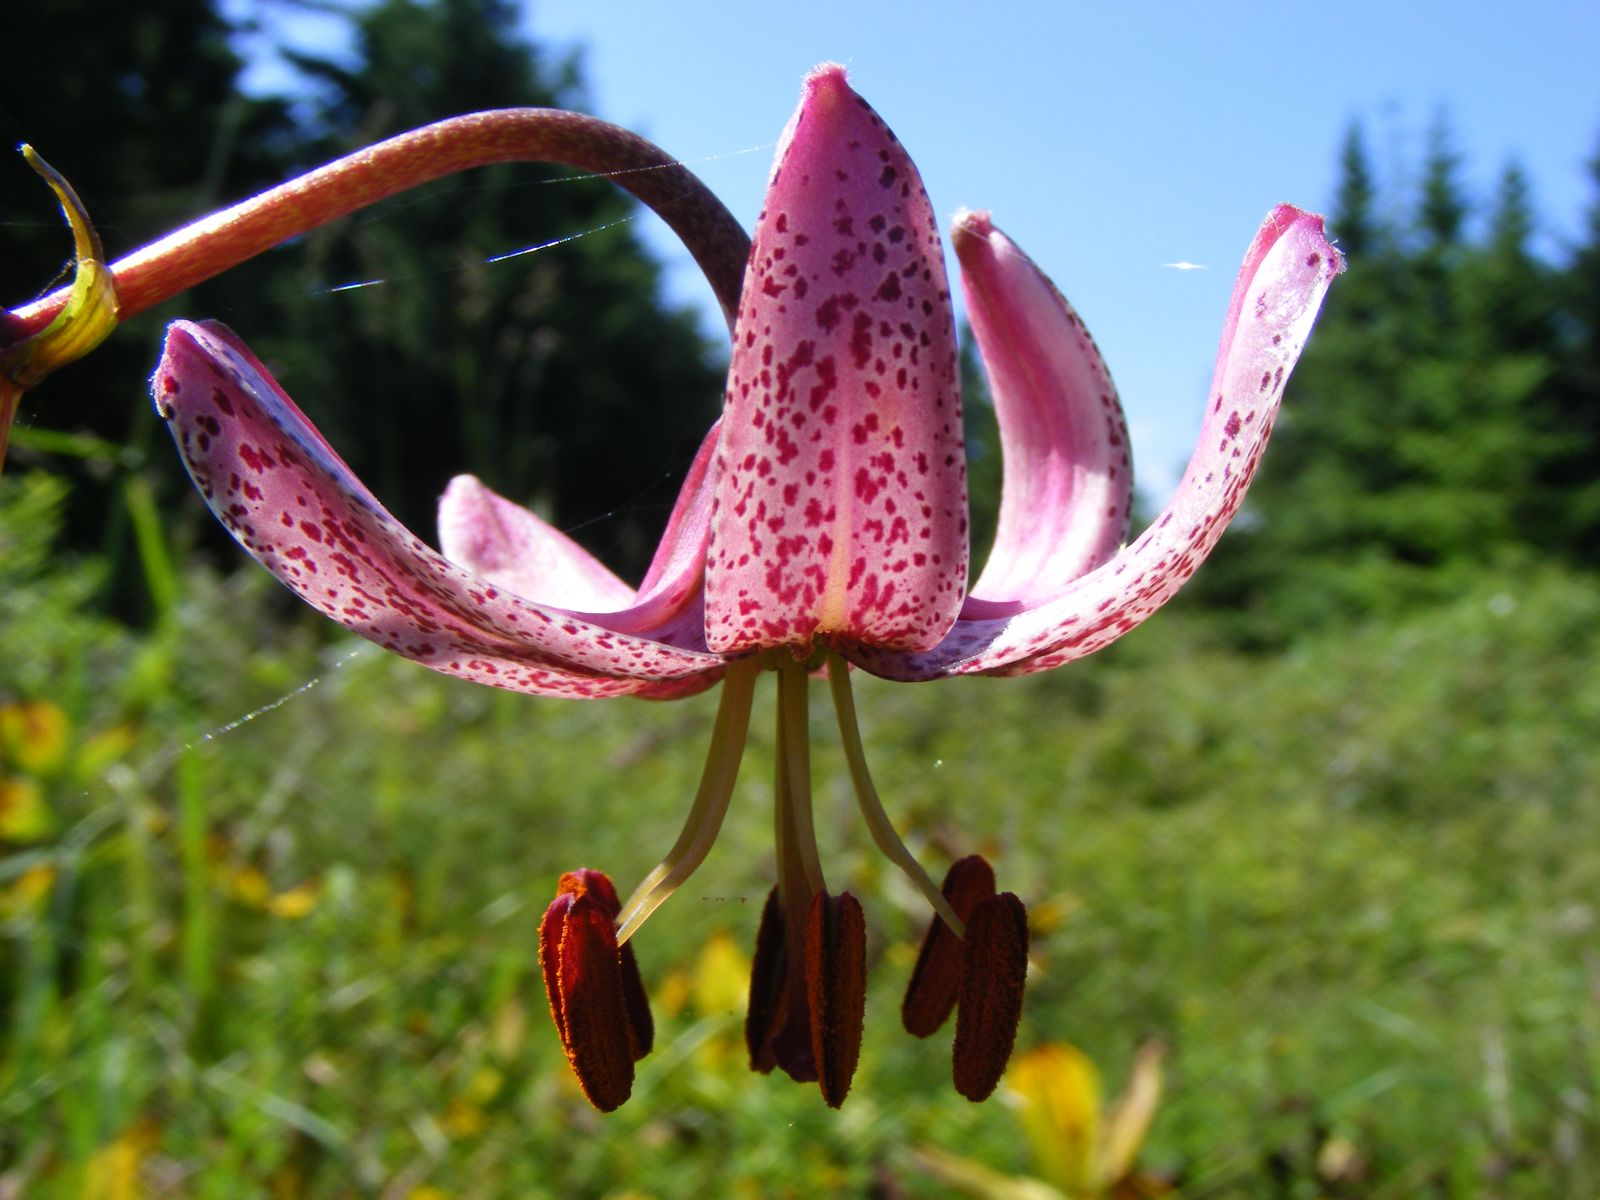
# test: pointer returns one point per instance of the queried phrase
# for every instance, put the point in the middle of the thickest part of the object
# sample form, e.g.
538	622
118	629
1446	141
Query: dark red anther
596	995
936	979
641	1026
768	973
994	968
777	1024
836	989
791	1043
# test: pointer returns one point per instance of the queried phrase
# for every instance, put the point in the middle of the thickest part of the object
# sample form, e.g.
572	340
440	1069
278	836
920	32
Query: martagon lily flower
823	525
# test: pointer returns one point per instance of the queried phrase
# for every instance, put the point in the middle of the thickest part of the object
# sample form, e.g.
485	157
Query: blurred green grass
1351	886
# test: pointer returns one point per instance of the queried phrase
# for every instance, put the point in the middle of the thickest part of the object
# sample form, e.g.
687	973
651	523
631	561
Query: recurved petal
517	550
1067	488
1276	298
295	506
677	570
841	512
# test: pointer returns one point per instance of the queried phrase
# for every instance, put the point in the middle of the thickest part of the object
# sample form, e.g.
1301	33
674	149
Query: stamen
836	989
641	1025
936	979
710	806
588	1000
844	706
768	971
993	970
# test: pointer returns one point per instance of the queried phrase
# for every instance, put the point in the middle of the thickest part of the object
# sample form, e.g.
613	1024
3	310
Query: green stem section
710	802
844	705
197	934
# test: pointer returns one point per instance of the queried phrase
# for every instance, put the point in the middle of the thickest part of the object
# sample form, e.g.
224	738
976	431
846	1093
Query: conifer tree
1575	469
1443	209
1354	221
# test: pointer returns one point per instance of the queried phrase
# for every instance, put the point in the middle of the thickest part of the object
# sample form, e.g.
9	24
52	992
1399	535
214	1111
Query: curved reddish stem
224	239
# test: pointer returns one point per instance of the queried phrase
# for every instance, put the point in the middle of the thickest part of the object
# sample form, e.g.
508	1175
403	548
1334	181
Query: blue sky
1110	140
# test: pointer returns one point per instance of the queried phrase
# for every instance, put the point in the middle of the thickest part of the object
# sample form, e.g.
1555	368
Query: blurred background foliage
1326	829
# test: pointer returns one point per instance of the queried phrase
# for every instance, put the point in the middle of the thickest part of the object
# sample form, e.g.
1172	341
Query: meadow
1351	887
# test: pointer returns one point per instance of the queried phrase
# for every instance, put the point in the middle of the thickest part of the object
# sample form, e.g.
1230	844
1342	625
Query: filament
844	706
710	806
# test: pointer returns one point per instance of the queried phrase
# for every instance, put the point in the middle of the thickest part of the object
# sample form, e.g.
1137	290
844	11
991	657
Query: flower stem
224	239
844	706
710	802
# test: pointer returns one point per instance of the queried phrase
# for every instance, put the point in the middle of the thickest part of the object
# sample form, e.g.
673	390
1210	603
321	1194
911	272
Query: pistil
794	792
799	867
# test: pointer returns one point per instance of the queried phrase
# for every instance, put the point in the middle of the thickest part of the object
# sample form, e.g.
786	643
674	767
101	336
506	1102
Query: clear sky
1109	140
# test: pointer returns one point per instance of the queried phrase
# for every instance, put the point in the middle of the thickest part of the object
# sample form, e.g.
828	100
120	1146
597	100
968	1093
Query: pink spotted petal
295	506
841	513
516	550
1068	479
677	572
1280	288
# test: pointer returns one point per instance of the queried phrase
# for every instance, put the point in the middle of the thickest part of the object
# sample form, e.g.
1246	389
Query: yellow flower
721	977
29	890
36	751
1081	1150
114	1171
249	886
296	902
24	815
34	735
